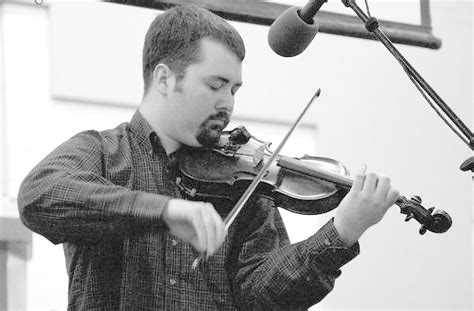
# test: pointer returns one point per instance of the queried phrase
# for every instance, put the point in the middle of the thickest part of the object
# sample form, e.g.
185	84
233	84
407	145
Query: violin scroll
437	222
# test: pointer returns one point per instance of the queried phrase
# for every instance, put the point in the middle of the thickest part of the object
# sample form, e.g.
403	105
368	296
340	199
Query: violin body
227	170
308	185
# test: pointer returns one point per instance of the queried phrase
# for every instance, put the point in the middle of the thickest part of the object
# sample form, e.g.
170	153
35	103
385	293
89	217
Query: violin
307	185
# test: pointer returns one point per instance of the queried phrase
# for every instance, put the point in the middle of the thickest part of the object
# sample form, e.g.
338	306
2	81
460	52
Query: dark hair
173	39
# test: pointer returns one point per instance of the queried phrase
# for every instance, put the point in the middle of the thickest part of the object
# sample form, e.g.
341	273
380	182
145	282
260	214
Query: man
130	238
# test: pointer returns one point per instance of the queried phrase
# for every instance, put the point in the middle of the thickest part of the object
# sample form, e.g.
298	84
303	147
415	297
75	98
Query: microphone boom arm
428	93
308	12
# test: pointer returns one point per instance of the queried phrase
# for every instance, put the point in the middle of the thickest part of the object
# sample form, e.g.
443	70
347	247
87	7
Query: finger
199	242
359	179
370	183
209	224
383	185
392	196
220	232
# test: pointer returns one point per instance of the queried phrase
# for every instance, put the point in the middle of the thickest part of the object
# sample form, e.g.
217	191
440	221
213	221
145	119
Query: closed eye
235	89
214	87
217	83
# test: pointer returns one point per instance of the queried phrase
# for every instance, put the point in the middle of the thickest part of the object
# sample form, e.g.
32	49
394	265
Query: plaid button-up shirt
101	194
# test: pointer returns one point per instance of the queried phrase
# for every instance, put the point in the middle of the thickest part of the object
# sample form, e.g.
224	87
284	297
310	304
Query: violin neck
314	171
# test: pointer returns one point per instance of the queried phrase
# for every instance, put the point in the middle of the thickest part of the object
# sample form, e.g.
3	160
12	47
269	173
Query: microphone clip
371	24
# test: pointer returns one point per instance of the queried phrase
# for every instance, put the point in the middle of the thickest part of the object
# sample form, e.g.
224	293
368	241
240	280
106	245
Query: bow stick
251	188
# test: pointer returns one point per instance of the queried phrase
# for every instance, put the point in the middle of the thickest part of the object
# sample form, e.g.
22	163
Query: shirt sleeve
273	274
65	197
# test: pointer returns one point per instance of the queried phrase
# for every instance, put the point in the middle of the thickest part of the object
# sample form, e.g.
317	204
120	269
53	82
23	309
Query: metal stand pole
459	128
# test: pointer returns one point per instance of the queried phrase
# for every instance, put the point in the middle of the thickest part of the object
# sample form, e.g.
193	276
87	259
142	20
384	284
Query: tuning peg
416	199
409	216
423	229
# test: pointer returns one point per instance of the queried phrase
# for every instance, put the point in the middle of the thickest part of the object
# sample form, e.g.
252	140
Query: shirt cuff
329	251
148	208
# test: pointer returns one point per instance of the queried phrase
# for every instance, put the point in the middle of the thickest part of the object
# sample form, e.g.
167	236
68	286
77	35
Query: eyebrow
239	84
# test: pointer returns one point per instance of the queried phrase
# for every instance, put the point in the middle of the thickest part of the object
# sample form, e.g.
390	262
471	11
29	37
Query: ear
163	78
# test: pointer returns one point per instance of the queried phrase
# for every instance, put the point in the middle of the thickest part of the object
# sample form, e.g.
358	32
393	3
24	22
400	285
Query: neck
153	114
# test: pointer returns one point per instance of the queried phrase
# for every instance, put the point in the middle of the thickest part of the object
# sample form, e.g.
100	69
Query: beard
211	129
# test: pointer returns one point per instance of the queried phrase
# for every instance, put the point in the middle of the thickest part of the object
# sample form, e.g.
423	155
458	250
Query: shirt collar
146	136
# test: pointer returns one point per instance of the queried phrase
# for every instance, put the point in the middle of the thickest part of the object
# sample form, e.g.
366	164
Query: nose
226	102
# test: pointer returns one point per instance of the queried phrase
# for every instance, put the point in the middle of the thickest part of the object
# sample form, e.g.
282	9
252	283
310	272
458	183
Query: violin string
249	155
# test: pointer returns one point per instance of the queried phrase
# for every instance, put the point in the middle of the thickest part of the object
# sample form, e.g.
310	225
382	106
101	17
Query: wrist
348	233
165	211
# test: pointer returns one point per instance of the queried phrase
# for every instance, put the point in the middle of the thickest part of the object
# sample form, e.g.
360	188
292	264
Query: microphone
292	32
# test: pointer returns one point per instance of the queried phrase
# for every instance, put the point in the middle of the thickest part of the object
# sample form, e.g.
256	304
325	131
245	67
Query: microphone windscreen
289	35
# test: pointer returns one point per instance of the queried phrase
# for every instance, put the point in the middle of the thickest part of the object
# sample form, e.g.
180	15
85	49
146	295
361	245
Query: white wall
2	113
368	113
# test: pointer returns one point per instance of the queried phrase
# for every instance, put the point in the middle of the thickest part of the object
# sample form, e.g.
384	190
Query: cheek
192	113
201	104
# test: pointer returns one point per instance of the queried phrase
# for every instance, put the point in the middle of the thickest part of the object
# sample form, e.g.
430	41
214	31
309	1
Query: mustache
220	115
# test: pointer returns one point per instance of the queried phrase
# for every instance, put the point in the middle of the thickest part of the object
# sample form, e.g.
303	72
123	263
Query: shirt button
174	242
326	242
172	281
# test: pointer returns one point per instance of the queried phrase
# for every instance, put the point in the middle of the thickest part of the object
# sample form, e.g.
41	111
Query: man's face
201	104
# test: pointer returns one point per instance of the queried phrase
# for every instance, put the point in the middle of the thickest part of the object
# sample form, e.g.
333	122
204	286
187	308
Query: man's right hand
195	222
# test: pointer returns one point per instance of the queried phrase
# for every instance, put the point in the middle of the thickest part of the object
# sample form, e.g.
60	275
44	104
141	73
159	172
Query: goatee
211	129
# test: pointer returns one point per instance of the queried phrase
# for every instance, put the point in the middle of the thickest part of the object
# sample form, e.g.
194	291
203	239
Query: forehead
216	59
